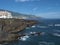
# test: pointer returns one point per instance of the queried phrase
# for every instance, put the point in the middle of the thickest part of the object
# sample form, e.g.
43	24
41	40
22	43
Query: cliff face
9	28
15	25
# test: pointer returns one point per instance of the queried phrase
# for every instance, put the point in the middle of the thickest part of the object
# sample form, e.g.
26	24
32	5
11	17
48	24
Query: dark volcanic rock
9	28
15	25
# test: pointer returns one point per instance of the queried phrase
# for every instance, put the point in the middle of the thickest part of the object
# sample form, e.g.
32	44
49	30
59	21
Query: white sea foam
57	24
24	38
53	24
56	34
32	32
33	26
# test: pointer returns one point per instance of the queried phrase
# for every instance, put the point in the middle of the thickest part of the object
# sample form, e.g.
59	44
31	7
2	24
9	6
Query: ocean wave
42	26
56	34
24	38
57	24
33	26
46	43
53	24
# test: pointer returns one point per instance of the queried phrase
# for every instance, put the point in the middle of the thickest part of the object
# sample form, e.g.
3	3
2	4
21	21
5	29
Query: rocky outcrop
9	28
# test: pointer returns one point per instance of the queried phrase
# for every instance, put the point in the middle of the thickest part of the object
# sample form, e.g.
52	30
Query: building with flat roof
5	14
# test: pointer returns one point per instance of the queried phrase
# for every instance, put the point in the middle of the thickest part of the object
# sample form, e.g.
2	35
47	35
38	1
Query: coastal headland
10	27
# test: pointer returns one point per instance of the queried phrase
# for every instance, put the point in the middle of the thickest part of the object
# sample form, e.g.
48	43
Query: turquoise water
47	39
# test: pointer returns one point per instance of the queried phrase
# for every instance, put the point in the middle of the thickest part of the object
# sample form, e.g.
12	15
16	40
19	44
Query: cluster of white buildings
5	14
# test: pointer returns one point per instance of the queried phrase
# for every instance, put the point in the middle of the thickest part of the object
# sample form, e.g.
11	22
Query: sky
42	8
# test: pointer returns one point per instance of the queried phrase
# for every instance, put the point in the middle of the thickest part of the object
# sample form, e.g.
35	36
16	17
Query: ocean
51	36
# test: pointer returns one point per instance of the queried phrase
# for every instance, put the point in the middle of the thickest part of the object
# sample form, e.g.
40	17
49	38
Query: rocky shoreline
9	28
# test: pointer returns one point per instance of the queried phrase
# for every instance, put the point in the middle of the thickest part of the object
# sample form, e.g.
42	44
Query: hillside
22	16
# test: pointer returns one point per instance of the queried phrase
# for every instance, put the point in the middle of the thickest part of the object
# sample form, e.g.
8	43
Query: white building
5	14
